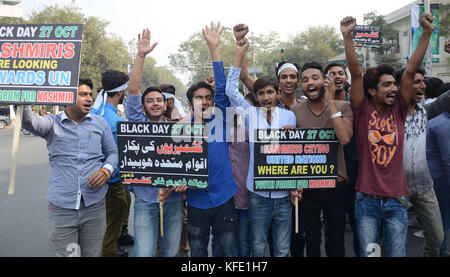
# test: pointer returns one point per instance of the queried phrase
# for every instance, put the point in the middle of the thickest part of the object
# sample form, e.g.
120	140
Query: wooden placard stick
15	150
161	218
161	211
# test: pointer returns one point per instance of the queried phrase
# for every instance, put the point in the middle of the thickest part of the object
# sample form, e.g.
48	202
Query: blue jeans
265	212
222	220
372	215
442	189
146	228
243	234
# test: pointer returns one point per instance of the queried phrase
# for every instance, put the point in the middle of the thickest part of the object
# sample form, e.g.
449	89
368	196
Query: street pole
429	62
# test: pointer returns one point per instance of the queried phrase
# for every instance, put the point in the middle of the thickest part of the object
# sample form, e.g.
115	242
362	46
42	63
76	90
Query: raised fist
348	24
240	31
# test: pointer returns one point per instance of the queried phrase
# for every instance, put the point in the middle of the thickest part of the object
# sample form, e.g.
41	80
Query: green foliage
390	45
100	51
318	43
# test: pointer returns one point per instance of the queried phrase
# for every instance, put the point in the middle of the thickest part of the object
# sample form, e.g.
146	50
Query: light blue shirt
134	112
76	151
255	119
111	116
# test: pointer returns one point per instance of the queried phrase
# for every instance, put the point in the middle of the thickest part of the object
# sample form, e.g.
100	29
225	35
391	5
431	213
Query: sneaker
125	239
419	234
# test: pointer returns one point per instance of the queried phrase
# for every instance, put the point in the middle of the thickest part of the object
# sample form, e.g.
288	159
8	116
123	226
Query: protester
433	108
321	110
379	116
431	92
287	77
151	106
438	158
213	209
114	89
420	184
338	72
175	111
272	208
82	156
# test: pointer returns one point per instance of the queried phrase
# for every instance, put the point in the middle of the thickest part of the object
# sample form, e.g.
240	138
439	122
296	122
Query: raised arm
144	48
232	91
212	38
407	82
239	32
357	94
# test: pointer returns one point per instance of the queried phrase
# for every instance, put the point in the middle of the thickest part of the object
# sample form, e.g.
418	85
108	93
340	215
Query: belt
398	199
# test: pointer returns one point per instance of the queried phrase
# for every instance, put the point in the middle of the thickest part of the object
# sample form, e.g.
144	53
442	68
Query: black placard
367	36
162	154
40	63
290	159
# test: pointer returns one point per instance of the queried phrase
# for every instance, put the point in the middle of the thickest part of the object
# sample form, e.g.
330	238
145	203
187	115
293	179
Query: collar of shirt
64	116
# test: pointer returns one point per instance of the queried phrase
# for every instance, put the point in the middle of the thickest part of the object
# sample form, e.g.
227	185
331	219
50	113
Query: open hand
144	46
212	36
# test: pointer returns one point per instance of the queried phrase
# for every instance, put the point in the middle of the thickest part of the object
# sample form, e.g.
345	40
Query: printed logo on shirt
383	138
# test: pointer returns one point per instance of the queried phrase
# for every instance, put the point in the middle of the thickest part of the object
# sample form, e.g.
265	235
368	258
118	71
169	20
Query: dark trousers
117	207
298	240
351	193
223	222
332	202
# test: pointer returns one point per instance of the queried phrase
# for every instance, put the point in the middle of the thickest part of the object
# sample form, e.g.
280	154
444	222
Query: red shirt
379	141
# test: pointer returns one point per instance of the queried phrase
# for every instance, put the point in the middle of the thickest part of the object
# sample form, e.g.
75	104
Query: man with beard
337	71
114	85
418	178
151	106
321	110
82	156
380	112
286	72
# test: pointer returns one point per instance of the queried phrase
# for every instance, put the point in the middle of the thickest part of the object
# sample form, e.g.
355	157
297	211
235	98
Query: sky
173	21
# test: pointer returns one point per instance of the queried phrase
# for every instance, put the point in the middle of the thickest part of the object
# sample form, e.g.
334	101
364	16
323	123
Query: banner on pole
367	36
417	30
39	63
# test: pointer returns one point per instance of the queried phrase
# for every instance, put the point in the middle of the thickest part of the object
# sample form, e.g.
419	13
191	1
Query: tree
193	55
100	51
387	53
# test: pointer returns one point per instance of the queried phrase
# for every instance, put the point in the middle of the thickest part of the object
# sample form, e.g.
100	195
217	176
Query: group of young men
382	155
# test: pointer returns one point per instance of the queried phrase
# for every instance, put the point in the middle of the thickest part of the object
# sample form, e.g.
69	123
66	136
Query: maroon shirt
379	141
